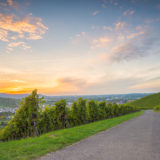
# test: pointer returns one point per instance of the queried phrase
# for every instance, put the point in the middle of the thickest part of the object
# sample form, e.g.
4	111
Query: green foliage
47	120
109	110
115	110
24	122
157	108
148	102
92	109
102	110
30	120
82	110
32	148
60	113
74	120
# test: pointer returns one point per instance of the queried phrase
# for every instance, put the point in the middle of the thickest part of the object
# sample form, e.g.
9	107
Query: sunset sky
68	47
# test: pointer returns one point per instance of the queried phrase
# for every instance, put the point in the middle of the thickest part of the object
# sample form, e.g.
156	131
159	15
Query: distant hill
147	102
18	96
9	102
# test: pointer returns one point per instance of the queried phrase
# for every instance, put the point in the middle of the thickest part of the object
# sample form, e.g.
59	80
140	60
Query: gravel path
136	139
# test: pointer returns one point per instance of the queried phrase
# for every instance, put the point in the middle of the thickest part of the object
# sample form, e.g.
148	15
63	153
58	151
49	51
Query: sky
79	47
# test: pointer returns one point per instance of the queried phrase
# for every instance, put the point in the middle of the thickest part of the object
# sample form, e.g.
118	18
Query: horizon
15	94
87	47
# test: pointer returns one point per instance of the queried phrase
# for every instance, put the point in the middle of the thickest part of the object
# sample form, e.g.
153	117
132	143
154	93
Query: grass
147	102
31	148
157	111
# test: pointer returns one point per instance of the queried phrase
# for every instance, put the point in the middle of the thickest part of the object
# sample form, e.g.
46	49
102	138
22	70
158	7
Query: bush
157	108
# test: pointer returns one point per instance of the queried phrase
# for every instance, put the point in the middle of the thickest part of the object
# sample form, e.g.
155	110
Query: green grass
147	102
31	148
157	111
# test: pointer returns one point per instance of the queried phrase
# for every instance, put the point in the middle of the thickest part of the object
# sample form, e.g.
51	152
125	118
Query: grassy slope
35	147
147	102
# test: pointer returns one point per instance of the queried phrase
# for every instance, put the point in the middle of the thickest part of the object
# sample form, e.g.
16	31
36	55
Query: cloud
132	49
3	4
107	28
128	12
82	34
71	80
124	42
80	38
147	85
3	35
10	2
68	85
115	4
95	13
151	20
13	27
158	6
101	42
18	81
104	6
29	26
18	44
119	26
133	35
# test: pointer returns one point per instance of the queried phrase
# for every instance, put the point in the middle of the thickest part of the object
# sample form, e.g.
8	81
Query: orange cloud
3	35
13	28
10	2
68	85
147	85
29	25
19	82
133	35
101	42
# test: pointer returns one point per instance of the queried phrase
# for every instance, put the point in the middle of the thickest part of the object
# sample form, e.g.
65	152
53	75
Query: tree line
31	120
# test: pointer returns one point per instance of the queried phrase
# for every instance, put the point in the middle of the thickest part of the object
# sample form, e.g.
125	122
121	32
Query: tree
24	122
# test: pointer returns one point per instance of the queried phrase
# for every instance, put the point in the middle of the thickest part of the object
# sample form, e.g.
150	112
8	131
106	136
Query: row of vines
31	120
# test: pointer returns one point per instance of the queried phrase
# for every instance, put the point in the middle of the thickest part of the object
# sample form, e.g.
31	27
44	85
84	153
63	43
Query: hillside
147	102
8	102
